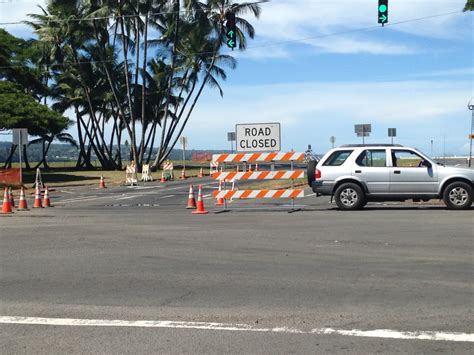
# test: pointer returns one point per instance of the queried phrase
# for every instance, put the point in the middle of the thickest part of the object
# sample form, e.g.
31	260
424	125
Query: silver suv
357	174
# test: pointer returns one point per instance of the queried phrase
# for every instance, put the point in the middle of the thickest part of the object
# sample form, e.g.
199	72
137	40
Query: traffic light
230	30
383	11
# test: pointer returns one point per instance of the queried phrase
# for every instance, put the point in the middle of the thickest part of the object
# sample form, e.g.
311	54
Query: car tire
311	171
458	196
350	196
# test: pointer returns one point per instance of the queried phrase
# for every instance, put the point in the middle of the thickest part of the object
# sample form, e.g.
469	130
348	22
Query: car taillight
318	174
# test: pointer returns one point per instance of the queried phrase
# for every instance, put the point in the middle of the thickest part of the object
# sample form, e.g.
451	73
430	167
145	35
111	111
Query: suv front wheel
350	196
458	196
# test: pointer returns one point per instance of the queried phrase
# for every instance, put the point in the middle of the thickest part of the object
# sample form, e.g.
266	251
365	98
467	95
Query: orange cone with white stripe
200	203
7	206
183	174
162	177
102	182
220	201
37	203
12	199
250	167
22	205
201	174
191	200
46	201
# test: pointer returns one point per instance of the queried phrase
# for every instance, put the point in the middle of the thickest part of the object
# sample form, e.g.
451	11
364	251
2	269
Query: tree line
126	70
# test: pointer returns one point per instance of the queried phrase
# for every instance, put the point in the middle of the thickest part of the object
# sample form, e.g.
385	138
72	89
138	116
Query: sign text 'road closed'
258	137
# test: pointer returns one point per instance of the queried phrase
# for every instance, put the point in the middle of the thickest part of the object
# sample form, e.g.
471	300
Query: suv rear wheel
458	196
350	196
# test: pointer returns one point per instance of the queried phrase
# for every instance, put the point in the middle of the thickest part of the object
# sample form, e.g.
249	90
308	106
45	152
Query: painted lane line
310	195
167	196
83	200
77	198
376	333
127	197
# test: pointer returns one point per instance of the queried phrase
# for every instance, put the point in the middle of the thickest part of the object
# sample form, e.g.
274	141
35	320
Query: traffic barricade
146	175
168	170
131	175
259	158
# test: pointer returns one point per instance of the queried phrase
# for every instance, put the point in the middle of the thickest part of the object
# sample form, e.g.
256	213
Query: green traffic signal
383	12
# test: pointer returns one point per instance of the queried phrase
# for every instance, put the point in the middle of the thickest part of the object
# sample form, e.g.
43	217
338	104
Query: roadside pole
470	106
20	153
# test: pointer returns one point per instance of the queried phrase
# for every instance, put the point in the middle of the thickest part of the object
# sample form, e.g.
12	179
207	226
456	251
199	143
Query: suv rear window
337	158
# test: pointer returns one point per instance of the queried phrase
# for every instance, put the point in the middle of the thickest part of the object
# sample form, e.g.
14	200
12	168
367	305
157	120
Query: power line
271	44
79	19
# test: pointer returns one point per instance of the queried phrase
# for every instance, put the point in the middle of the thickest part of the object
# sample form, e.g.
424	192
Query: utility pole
470	106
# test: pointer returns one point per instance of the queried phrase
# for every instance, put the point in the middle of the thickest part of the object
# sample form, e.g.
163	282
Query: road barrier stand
168	170
213	167
131	174
38	179
146	174
256	158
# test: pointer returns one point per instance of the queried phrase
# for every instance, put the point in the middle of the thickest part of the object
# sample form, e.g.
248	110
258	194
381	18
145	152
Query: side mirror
426	163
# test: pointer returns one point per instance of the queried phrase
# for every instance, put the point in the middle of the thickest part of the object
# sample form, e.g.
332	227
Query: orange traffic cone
256	167
102	182
7	206
22	205
220	200
183	174
200	203
37	203
12	199
201	174
46	201
191	200
162	177
250	167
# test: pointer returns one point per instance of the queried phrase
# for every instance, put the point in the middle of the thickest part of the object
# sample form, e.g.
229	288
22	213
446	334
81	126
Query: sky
321	66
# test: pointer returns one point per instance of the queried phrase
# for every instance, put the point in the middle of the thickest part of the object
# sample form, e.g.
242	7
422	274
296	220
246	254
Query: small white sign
258	137
20	136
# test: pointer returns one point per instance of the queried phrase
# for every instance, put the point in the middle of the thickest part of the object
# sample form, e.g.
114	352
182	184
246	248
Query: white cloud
312	112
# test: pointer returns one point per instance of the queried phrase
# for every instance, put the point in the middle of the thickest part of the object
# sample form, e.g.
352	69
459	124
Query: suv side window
372	158
337	158
406	159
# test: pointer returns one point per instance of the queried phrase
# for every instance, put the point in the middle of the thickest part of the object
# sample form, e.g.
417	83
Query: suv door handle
358	171
397	172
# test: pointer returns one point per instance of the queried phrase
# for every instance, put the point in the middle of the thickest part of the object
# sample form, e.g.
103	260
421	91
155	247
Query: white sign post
258	137
20	138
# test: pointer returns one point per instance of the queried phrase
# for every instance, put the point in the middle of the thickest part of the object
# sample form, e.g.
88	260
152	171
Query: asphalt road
253	280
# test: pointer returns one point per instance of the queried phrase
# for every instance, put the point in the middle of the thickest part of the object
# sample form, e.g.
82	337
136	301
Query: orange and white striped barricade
213	167
131	175
168	170
146	175
256	158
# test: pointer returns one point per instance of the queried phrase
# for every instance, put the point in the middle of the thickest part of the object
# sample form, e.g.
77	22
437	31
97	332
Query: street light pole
470	106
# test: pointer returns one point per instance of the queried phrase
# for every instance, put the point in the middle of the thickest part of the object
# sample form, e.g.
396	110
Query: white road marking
67	192
310	195
205	196
167	196
376	333
128	197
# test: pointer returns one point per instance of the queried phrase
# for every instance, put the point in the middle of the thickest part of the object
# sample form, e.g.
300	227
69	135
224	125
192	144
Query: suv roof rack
370	145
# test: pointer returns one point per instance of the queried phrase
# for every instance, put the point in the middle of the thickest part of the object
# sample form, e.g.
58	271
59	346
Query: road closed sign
258	137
